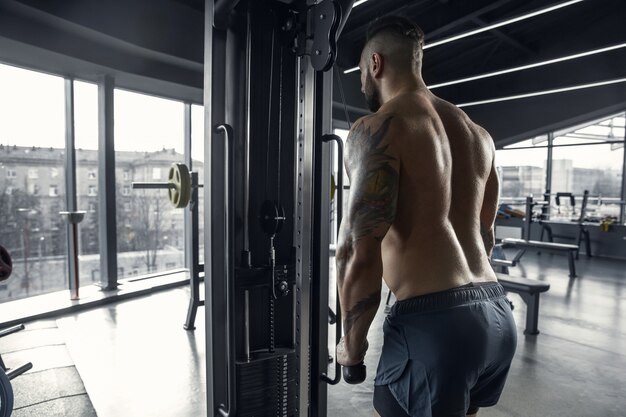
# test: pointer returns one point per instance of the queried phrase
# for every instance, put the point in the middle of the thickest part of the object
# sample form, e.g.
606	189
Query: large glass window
32	187
149	138
86	145
590	157
522	169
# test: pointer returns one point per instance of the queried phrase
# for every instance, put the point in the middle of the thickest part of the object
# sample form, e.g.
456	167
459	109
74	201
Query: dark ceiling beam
431	65
506	38
355	31
465	18
82	32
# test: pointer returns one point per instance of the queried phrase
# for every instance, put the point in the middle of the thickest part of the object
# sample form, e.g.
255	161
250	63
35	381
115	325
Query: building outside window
32	105
86	145
149	137
590	157
522	169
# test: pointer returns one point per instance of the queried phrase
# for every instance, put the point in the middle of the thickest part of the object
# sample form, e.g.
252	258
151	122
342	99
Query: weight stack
266	386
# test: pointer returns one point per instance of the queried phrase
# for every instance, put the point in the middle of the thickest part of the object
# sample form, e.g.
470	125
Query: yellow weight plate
179	192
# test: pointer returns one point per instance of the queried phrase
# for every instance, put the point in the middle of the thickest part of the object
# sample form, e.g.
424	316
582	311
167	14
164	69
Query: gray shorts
447	352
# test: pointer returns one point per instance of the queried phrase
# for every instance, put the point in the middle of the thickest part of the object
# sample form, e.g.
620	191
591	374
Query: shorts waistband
454	297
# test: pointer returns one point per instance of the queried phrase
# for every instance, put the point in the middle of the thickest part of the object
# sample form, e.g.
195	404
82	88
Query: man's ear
377	65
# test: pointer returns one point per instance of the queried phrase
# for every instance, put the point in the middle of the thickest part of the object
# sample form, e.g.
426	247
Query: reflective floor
136	360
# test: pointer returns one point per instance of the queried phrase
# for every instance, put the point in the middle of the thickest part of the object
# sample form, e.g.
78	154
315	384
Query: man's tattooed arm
373	167
488	235
489	210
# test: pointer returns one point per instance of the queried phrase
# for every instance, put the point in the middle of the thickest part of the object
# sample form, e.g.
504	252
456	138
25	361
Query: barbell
178	185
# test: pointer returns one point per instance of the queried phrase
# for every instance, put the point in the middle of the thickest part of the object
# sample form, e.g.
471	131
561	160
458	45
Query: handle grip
337	316
354	374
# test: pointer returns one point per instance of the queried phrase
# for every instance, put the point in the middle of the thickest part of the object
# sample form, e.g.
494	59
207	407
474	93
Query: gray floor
53	387
136	360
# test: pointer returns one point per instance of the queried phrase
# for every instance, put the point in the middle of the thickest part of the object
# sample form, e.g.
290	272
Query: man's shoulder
388	122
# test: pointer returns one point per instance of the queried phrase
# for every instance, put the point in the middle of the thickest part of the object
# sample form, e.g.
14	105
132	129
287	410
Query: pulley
271	217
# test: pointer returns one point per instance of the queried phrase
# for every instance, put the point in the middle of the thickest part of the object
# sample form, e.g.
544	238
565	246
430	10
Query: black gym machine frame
267	182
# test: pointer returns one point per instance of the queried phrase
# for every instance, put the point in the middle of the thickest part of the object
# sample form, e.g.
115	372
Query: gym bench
529	290
523	244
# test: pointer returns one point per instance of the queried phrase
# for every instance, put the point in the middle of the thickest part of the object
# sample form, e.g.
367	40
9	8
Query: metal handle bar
228	178
326	139
158	185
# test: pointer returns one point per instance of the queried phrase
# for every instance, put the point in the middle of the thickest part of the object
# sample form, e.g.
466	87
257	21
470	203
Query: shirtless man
423	200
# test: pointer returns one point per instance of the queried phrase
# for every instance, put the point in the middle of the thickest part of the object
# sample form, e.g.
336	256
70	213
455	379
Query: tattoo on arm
374	183
366	304
487	235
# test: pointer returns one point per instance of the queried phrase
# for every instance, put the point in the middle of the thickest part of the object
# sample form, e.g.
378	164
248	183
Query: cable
343	98
269	115
280	121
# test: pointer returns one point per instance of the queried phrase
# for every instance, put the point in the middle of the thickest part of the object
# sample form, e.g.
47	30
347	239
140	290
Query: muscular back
447	185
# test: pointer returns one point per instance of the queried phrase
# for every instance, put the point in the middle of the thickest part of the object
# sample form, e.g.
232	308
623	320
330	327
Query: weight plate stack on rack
267	387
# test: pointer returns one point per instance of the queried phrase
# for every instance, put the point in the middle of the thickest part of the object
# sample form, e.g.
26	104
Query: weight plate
180	191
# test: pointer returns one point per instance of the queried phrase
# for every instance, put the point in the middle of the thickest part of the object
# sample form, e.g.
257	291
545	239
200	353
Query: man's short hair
407	38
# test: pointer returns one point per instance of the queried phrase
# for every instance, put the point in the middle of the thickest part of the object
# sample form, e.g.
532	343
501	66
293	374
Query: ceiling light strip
543	93
529	66
492	26
503	23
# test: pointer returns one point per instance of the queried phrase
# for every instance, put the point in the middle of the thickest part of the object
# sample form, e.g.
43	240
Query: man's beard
372	95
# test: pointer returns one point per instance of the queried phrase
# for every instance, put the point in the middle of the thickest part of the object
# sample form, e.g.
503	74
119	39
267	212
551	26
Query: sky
32	113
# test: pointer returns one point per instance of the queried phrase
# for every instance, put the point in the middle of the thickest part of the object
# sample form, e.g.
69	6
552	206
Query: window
522	169
144	126
54	172
590	157
32	106
86	143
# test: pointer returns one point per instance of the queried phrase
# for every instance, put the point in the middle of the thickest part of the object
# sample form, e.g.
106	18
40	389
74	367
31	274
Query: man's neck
410	84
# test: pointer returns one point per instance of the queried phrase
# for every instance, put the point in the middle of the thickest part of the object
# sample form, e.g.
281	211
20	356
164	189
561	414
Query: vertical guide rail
304	231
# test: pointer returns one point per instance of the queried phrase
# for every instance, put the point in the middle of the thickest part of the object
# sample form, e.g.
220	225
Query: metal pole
546	209
106	185
622	210
70	188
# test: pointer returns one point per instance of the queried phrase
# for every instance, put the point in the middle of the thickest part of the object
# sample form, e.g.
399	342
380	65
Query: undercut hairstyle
398	40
